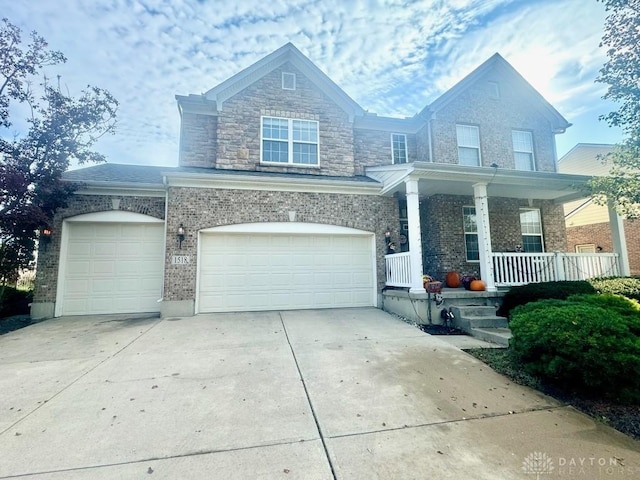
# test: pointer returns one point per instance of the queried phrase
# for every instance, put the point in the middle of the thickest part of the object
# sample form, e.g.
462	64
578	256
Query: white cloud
392	57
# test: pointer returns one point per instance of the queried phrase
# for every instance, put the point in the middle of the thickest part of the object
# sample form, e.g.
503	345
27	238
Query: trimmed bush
590	343
627	286
539	291
14	302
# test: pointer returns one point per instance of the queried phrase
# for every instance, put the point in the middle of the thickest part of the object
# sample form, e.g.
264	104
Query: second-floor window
523	150
399	148
468	145
289	140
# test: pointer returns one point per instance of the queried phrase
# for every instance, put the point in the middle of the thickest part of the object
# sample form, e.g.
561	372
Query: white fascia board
390	175
235	182
120	189
196	104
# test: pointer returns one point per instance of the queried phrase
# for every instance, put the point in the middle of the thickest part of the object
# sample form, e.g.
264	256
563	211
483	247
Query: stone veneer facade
495	118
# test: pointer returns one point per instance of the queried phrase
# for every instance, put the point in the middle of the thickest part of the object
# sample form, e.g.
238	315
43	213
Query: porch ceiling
434	178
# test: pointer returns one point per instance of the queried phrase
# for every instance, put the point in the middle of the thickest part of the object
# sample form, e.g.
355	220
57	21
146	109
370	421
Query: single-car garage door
111	268
273	271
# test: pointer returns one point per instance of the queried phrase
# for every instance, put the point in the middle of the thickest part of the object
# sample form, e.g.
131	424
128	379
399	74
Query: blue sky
392	57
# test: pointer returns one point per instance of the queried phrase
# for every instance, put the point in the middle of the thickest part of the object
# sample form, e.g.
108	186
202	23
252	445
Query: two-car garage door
242	271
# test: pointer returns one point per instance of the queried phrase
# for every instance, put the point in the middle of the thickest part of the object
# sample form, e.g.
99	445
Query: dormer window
398	148
288	81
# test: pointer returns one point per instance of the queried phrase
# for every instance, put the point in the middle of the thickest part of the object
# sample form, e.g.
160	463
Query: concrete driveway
344	394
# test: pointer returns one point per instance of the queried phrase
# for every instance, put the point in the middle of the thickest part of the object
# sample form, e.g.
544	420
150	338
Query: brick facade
224	133
48	258
599	235
199	208
443	245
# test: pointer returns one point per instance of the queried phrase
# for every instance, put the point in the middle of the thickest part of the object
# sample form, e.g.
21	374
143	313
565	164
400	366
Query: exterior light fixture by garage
180	236
387	236
45	237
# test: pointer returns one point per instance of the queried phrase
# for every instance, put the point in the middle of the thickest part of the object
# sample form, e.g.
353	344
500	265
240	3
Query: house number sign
180	260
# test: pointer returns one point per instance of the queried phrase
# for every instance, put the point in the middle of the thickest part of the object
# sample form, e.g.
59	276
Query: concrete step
461	311
467	323
500	336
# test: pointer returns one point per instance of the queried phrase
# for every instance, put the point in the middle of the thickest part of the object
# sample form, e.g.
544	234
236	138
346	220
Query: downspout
429	142
166	220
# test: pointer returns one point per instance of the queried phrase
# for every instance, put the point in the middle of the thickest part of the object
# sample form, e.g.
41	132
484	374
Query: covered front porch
437	186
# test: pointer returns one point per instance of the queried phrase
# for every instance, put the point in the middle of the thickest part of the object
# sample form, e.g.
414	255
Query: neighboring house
588	226
285	189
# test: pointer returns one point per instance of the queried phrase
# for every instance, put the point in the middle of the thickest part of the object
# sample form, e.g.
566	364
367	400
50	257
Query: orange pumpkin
453	280
477	286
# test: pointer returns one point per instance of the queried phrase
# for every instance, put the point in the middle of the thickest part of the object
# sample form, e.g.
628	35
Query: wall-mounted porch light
180	236
45	237
387	236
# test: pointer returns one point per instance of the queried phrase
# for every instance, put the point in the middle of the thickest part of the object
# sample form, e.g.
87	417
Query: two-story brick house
286	188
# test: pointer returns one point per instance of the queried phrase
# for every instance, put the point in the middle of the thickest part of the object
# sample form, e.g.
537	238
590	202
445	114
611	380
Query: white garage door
266	271
112	268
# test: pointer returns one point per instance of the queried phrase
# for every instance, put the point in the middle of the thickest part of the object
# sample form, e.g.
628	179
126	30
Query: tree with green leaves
60	130
621	73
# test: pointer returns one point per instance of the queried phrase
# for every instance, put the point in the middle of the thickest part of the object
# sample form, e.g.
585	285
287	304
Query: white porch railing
512	269
398	268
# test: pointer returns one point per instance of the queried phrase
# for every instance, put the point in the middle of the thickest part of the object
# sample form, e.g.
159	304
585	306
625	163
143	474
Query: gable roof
497	61
286	53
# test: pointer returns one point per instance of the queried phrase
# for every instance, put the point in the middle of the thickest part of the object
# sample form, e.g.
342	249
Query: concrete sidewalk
344	394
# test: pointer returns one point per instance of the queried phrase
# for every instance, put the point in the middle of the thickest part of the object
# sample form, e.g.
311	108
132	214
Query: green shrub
538	291
14	302
627	286
581	344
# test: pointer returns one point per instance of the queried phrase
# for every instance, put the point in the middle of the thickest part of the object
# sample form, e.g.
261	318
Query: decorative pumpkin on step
453	280
477	286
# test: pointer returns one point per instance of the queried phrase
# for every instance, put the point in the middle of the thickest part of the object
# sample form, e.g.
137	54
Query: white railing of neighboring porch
511	269
398	268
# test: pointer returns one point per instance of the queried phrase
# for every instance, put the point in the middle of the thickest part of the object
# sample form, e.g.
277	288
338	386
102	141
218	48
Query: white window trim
290	142
406	153
465	233
533	156
458	144
293	76
541	234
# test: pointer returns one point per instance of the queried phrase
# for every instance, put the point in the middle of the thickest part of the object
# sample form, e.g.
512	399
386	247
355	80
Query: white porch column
415	237
619	240
484	234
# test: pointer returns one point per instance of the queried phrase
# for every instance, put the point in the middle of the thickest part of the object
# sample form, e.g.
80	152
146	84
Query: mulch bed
441	330
622	417
9	324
